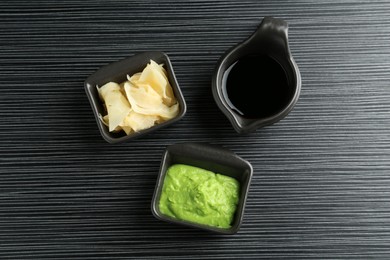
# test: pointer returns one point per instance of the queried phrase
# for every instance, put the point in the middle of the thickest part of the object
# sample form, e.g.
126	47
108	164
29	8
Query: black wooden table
321	187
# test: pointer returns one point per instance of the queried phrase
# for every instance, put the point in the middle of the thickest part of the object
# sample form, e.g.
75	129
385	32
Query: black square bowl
116	72
212	158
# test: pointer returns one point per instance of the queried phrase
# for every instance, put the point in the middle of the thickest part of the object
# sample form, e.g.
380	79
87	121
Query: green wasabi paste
200	196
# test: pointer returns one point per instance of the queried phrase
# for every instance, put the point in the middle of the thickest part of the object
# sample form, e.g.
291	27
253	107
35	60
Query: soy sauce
256	86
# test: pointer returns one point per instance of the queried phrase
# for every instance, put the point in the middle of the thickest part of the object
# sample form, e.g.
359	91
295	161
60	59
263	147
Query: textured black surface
321	187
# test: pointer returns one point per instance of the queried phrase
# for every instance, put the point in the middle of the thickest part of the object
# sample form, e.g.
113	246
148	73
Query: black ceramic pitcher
269	40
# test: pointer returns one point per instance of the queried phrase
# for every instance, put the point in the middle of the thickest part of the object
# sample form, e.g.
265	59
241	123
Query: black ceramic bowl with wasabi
117	72
211	158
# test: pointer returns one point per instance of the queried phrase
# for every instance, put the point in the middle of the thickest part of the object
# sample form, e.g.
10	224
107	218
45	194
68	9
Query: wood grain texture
321	188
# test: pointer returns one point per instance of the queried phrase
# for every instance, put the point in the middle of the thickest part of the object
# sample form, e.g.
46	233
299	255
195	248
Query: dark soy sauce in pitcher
256	86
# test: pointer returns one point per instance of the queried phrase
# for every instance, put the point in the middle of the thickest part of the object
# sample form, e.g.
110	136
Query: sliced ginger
144	100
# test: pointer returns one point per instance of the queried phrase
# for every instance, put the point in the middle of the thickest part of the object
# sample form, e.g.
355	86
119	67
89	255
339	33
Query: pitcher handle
272	34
